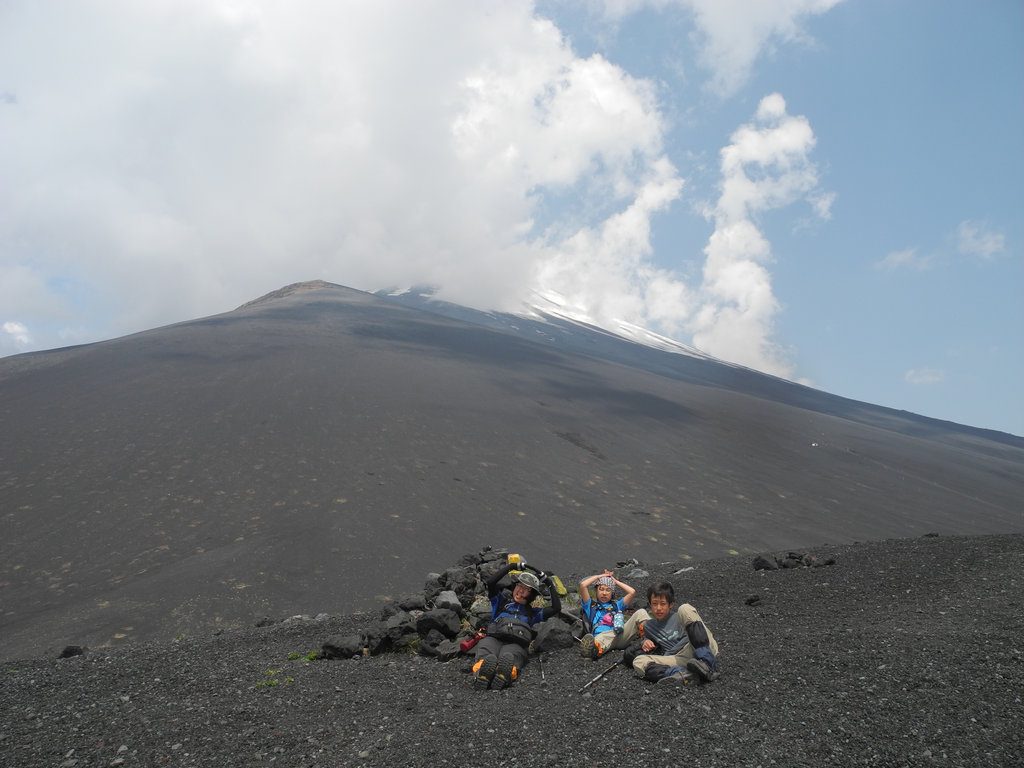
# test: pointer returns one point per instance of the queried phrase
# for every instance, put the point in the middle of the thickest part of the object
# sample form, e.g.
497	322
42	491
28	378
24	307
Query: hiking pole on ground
613	666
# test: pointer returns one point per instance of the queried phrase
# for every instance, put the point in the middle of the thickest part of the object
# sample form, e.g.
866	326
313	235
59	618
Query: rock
442	620
412	603
400	630
462	581
480	611
470	560
765	563
375	639
552	635
72	650
433	587
448	650
448	599
493	555
343	647
791	560
429	642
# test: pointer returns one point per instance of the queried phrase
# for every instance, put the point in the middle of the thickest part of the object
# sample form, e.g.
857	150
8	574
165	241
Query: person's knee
687	614
640	663
514	654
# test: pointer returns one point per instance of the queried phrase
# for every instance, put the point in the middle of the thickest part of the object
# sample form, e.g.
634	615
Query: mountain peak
288	290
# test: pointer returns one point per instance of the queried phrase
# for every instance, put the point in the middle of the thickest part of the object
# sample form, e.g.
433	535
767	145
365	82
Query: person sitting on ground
676	644
502	654
605	633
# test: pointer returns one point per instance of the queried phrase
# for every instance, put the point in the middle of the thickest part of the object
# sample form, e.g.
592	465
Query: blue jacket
602	614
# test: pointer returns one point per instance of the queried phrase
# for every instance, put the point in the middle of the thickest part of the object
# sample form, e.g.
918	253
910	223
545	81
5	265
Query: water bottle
617	621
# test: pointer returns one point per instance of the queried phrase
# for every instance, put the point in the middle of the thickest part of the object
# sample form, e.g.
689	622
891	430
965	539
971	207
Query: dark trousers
509	654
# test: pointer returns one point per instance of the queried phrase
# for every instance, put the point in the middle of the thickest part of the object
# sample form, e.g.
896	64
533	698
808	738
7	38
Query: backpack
595	608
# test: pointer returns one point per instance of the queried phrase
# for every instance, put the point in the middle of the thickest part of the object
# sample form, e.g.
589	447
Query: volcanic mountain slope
322	449
905	652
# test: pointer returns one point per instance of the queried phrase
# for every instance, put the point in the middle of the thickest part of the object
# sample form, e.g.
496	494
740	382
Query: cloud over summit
194	145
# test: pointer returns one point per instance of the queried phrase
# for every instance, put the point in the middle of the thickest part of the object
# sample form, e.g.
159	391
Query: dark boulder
400	630
343	647
441	620
412	603
448	599
552	635
765	563
469	561
461	581
447	650
432	587
428	642
375	639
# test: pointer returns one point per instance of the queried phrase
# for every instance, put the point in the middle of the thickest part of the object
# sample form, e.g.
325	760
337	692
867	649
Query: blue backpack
590	617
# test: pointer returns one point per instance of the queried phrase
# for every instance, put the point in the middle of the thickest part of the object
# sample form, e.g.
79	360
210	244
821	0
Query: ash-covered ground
903	653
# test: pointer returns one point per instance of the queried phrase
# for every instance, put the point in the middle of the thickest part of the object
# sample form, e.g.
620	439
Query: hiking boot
702	669
504	677
483	672
590	649
679	676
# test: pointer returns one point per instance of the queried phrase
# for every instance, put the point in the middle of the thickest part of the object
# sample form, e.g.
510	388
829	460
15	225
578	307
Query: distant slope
321	448
678	361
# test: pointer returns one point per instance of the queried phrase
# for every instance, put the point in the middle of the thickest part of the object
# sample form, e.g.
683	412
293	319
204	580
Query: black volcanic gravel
903	653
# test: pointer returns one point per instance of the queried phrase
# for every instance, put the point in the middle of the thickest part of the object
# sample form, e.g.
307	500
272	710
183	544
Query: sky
830	191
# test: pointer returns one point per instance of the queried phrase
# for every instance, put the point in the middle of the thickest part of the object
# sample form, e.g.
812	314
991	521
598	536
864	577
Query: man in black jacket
502	654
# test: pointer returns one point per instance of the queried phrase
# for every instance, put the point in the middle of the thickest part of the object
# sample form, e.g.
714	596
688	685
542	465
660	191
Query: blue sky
828	191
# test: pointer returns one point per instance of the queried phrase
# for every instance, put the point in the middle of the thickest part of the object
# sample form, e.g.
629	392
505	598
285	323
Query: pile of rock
790	560
443	620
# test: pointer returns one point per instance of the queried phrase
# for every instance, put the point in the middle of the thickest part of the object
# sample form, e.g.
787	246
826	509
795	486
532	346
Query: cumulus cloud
924	376
766	166
976	239
15	337
733	34
175	158
601	272
908	258
172	158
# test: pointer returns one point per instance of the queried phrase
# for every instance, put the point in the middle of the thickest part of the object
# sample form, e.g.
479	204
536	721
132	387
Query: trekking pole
613	666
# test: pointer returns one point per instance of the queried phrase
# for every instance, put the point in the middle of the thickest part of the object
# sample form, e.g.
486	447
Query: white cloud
601	270
172	158
767	166
924	376
908	258
822	204
175	158
15	337
733	34
976	239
